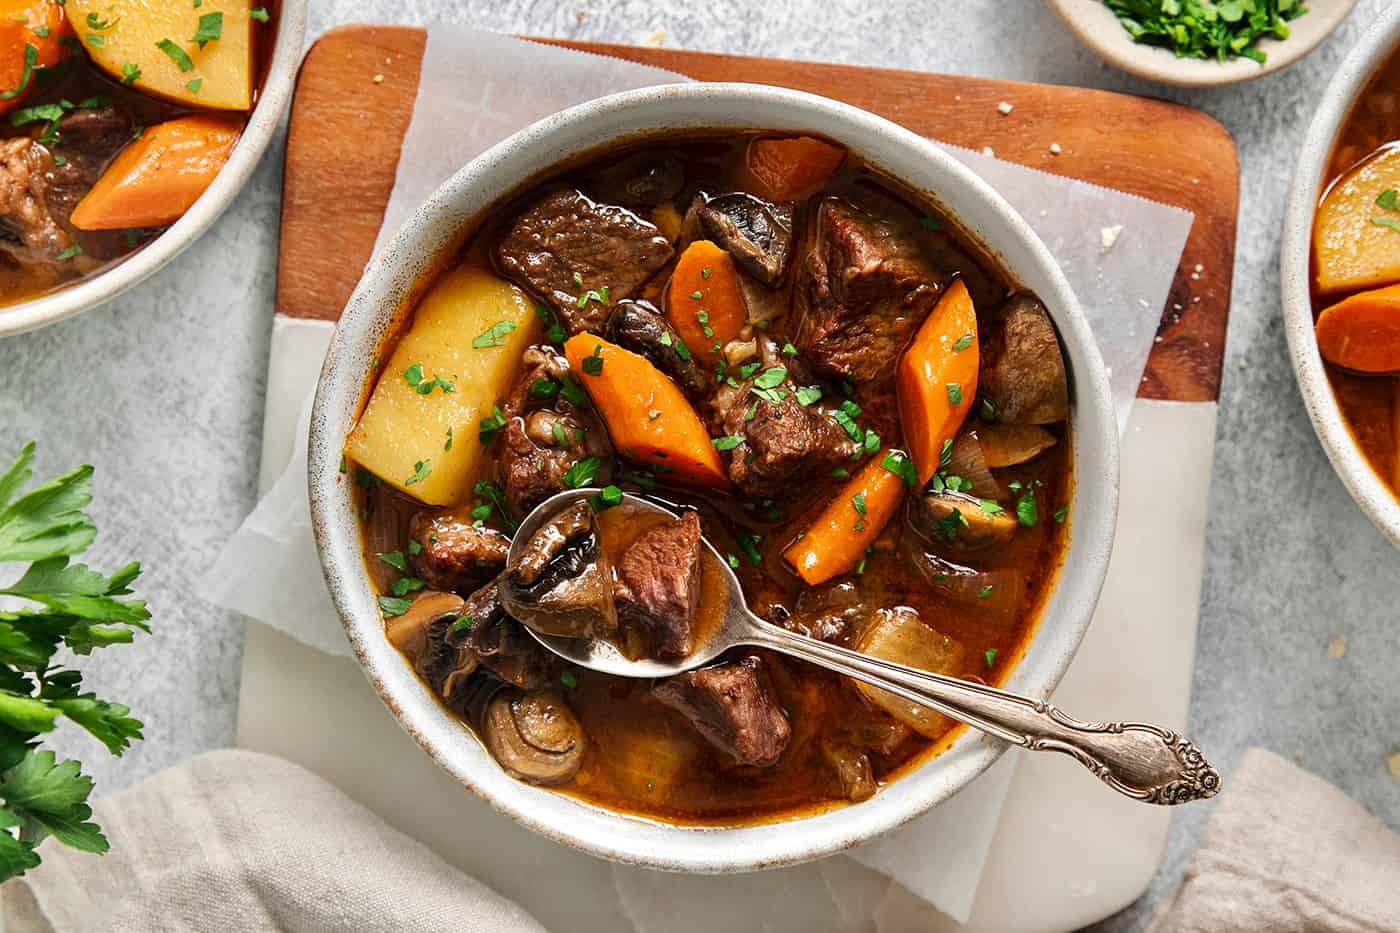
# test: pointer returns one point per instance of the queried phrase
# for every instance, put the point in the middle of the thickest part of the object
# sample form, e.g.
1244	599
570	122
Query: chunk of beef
545	434
866	289
88	140
731	705
643	179
658	585
758	234
566	245
783	442
28	230
639	327
1022	368
454	552
501	643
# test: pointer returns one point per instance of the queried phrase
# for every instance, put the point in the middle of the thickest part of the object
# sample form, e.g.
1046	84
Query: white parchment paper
269	570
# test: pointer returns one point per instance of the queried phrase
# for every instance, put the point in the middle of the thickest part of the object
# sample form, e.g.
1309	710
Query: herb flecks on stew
861	412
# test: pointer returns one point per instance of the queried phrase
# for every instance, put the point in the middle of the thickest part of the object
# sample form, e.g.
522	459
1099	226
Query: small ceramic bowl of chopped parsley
1200	43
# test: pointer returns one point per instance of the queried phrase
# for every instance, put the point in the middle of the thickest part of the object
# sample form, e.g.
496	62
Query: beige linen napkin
240	841
1285	851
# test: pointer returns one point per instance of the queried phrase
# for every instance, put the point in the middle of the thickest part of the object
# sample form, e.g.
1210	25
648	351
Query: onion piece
852	769
999	592
968	461
1006	445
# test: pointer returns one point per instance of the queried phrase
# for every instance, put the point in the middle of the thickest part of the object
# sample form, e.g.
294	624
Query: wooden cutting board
357	87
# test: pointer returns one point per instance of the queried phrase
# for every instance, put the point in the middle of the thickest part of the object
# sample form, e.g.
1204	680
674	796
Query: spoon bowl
1140	760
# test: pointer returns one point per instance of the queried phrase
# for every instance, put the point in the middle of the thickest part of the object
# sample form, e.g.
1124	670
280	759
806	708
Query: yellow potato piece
898	635
1351	252
402	427
120	35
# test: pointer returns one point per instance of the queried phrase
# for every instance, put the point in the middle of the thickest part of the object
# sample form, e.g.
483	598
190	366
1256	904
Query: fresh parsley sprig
53	604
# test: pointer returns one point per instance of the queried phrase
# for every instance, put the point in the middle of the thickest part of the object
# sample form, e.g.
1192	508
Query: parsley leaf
211	27
582	473
728	442
494	336
176	55
1027	512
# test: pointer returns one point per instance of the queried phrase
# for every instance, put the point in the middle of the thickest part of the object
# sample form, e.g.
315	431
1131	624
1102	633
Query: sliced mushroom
1023	370
427	635
534	736
1006	445
756	233
639	327
501	643
561	584
959	522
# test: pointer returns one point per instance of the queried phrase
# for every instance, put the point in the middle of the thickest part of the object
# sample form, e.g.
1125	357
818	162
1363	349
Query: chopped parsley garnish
593	365
901	466
175	54
560	435
258	13
952	523
697	295
544	388
706	272
990	656
954	393
492	493
748	369
447	444
1026	510
405	585
653	414
414	377
608	497
481	511
211	27
858	502
985	592
729	442
749	544
578	279
572	392
97	22
841	473
990	506
1061	514
1389	199
554	332
464	624
989	410
1386	222
751	412
1219	29
95	39
394	605
808	395
582	473
771	378
421	470
945	456
69	253
488	427
31	58
733	559
871	443
130	72
682	350
394	559
194	86
568	679
963	343
789	350
494	336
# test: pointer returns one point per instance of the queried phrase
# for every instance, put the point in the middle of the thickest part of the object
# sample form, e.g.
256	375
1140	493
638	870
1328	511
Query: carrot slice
705	303
1362	332
792	167
648	418
155	179
838	537
937	378
39	25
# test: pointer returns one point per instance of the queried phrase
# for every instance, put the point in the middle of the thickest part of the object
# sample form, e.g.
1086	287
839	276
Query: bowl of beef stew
1340	273
828	348
126	129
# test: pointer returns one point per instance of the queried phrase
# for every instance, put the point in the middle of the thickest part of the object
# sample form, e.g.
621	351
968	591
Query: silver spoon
1140	760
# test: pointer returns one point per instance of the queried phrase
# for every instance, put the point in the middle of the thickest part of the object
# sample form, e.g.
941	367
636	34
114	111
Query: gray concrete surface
163	391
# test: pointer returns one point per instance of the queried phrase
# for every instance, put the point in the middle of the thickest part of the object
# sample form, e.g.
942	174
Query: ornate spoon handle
1143	761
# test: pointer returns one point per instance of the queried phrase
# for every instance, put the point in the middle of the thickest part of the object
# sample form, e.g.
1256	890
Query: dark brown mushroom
426	634
956	521
1023	370
639	327
561	583
756	233
534	736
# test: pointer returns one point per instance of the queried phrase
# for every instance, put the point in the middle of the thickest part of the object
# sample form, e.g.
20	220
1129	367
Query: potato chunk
898	635
1351	251
155	40
463	347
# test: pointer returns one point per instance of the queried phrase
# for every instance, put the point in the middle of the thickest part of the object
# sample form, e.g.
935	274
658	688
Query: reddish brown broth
646	759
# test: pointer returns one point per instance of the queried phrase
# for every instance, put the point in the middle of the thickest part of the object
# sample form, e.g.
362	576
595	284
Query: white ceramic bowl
1095	25
435	231
126	272
1375	499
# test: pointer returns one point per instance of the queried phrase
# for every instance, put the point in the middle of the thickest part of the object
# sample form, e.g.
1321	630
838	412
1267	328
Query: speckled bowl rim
416	249
257	134
1369	491
1095	25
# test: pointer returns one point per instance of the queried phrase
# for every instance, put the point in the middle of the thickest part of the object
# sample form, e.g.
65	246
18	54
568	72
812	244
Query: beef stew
789	350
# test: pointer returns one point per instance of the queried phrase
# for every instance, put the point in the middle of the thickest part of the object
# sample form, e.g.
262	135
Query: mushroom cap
534	736
562	583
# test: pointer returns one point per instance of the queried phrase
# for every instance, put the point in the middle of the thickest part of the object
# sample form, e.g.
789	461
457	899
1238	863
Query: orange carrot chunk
155	179
937	378
704	303
836	541
649	420
793	167
34	35
1362	332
